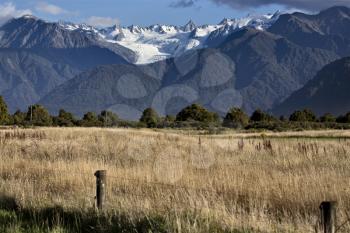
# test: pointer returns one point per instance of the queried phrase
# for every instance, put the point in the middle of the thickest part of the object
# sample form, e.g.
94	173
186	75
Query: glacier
159	42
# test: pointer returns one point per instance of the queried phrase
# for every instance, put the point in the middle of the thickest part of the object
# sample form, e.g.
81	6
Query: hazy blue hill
103	88
328	92
26	77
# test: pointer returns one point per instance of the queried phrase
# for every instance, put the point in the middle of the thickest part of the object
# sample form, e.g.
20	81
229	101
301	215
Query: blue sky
128	12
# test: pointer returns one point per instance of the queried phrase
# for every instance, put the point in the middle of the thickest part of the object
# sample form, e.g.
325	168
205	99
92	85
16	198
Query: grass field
171	181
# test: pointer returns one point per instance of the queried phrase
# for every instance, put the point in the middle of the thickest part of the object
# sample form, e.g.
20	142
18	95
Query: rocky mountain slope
328	92
327	30
26	77
31	32
36	57
251	69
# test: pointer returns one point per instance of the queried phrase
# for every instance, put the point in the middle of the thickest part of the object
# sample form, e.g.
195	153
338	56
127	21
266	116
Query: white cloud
51	9
102	21
9	10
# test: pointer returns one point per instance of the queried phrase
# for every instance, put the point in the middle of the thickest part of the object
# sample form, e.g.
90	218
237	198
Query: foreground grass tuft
56	220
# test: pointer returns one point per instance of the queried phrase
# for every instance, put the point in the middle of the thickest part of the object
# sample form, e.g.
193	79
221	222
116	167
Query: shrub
89	120
108	119
195	112
4	116
260	116
328	118
170	119
344	119
18	118
150	118
236	118
37	115
64	118
305	115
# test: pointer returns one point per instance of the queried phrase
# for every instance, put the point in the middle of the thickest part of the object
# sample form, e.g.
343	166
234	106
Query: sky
104	13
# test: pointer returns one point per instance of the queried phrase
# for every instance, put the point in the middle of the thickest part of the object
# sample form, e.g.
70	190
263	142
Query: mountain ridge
144	45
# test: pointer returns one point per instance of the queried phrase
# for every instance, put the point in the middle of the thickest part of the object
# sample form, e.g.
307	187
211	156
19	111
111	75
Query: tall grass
251	182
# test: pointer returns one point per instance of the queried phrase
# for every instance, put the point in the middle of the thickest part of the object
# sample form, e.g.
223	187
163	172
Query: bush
195	112
260	116
344	119
328	118
18	118
305	115
236	118
170	119
108	119
149	118
65	119
37	115
4	116
90	120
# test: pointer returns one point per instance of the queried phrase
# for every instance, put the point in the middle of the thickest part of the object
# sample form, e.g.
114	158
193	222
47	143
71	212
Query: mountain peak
190	26
29	17
135	29
21	21
224	21
276	14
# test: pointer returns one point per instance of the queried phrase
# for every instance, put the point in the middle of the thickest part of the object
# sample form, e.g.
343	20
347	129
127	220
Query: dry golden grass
271	183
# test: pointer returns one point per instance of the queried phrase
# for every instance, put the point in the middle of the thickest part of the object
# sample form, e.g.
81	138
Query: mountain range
255	62
158	42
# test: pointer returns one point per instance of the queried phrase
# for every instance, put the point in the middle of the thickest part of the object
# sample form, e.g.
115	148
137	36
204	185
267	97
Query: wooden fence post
328	216
101	183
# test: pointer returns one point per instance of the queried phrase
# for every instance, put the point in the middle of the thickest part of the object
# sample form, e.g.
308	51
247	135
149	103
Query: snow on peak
158	42
29	17
255	21
190	26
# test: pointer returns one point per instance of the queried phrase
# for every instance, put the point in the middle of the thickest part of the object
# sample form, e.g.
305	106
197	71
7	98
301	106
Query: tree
108	118
305	115
4	116
236	118
196	112
90	120
260	116
344	119
283	118
65	119
18	118
150	118
328	117
38	115
170	119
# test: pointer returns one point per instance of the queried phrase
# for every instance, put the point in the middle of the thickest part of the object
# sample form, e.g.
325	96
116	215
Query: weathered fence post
328	216
101	183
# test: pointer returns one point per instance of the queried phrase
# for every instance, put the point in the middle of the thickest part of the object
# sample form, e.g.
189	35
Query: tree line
194	115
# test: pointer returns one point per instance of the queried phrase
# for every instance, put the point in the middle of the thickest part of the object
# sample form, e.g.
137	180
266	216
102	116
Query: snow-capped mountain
159	42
